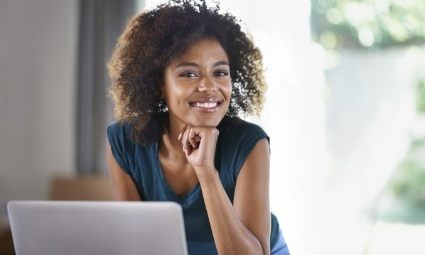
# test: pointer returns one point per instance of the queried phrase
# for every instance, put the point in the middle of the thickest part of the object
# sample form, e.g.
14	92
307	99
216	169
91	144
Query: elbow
259	248
248	247
255	247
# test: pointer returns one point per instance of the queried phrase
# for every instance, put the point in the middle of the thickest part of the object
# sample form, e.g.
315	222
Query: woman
181	74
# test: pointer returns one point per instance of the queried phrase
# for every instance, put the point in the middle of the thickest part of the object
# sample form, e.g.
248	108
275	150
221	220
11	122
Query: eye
188	74
221	73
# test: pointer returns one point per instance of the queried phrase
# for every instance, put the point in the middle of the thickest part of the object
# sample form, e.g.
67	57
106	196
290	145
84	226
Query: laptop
97	228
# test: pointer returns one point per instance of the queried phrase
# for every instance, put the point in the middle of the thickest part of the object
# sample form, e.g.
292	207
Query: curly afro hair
153	38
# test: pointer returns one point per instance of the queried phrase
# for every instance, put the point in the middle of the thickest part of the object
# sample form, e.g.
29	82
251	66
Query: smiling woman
178	89
197	86
149	43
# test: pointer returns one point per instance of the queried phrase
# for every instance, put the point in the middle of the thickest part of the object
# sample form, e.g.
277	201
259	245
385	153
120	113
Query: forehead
204	50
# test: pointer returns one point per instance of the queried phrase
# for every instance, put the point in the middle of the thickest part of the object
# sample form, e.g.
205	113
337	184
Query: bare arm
251	199
242	228
124	187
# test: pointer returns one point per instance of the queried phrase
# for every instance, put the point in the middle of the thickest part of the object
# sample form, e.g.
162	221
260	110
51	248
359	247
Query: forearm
230	234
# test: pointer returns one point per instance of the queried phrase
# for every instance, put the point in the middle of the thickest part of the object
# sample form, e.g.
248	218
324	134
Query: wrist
206	173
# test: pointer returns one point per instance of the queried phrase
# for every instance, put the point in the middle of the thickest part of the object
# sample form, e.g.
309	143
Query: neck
170	146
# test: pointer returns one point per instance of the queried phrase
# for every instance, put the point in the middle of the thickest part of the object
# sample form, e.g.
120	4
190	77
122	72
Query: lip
206	104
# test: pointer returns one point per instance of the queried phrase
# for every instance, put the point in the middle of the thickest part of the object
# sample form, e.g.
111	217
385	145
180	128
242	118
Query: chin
205	123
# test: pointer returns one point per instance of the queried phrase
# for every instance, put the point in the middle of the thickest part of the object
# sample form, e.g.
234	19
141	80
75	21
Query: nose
207	85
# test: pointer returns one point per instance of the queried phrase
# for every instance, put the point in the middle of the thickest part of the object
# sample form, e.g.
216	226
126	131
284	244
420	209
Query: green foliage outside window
420	96
408	186
368	23
381	24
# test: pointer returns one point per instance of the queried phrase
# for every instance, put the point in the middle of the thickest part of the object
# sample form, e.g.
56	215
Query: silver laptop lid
97	228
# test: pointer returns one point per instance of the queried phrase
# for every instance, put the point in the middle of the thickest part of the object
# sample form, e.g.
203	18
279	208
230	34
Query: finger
192	136
181	133
185	142
184	137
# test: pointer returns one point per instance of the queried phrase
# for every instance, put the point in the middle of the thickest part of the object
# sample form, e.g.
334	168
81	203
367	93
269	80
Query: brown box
6	243
81	188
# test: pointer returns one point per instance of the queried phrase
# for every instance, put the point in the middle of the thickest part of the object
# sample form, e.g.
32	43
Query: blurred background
345	111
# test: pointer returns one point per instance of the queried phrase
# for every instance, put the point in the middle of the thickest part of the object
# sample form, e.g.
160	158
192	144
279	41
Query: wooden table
6	242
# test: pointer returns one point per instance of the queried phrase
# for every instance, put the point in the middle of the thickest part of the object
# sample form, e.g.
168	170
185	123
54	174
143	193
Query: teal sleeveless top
236	140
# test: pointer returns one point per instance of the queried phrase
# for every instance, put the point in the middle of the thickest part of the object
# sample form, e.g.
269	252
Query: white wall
38	46
371	119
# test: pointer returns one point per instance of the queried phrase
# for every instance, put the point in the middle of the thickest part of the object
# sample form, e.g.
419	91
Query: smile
211	106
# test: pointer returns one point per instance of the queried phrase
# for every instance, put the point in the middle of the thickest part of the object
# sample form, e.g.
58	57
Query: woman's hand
199	146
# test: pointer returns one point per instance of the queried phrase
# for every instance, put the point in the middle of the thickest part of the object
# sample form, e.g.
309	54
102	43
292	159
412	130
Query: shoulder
125	151
119	138
115	127
120	132
236	141
236	129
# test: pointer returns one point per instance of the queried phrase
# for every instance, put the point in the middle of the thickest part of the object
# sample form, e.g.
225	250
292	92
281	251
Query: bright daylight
344	109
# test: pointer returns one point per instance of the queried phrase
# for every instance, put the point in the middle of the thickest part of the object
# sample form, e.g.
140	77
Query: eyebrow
219	63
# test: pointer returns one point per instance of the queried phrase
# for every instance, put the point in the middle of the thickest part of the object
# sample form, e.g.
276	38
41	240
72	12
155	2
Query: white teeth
206	105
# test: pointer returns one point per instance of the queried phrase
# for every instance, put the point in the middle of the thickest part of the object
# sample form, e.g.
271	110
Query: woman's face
197	85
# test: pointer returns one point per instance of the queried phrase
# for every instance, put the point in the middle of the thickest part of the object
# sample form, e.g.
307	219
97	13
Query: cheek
175	95
228	89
